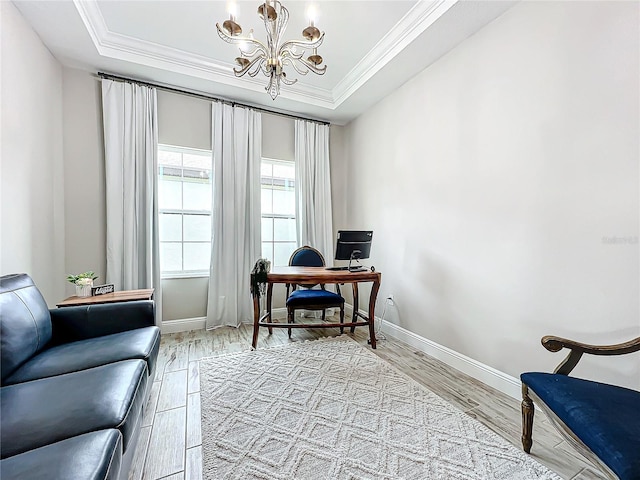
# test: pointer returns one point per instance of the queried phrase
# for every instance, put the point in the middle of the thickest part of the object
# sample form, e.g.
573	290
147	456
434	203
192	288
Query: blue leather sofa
74	384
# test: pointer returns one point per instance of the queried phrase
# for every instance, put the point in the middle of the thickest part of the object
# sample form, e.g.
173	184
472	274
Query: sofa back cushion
25	323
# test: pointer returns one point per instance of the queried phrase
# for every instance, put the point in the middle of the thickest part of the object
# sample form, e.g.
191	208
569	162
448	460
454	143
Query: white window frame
276	215
185	273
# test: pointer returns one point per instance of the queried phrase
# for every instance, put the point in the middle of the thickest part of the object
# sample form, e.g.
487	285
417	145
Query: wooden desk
122	296
315	275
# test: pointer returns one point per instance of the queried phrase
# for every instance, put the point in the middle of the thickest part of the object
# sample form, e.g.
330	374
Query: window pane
197	228
166	157
282	252
169	195
197	196
267	200
267	251
170	257
266	169
284	229
199	161
284	170
170	227
284	202
267	229
197	256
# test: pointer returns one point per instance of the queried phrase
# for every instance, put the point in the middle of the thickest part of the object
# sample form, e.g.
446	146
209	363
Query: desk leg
256	319
354	316
372	312
269	303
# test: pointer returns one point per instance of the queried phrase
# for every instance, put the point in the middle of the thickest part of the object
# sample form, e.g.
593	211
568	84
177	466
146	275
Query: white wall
494	179
84	176
31	169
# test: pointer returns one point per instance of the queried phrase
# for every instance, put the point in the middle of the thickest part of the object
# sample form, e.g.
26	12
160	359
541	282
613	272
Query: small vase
84	290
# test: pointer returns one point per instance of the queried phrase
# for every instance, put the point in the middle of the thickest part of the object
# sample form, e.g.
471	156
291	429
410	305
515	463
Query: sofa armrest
89	321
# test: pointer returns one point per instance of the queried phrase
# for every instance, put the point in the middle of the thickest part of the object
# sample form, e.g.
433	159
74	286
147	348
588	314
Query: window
277	181
184	205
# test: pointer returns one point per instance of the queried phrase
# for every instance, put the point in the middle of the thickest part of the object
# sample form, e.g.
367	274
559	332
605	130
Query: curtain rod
117	78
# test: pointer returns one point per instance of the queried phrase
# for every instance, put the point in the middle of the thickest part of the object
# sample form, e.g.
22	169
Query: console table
121	296
318	275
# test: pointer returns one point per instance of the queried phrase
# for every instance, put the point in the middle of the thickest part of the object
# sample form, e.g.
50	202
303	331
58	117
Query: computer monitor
353	244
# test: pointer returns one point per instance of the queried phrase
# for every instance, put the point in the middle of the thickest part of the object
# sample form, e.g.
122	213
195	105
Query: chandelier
272	58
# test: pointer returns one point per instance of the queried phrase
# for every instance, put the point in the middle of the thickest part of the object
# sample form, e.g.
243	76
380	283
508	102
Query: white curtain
130	145
313	188
236	241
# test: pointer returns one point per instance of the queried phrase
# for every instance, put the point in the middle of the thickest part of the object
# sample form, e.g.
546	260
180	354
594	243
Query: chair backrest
25	321
306	257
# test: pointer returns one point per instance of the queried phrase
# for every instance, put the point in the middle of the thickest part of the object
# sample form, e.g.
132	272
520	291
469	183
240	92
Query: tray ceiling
370	48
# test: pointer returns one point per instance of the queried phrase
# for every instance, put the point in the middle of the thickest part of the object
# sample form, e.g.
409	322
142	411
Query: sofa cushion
142	343
25	324
605	417
300	298
41	412
92	456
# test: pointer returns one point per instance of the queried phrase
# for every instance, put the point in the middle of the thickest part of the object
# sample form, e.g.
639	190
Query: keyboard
353	269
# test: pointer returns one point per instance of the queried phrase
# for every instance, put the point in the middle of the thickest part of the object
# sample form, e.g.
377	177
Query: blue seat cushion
38	413
300	298
605	417
141	343
92	456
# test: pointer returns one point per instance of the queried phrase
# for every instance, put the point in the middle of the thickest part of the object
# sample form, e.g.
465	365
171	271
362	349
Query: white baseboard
486	374
183	325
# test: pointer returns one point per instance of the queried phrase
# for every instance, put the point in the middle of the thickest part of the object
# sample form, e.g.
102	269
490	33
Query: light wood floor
170	440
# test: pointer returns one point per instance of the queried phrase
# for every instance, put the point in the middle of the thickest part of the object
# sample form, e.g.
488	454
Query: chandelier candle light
272	58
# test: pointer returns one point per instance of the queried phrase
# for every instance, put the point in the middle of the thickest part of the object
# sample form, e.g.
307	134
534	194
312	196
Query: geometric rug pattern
332	409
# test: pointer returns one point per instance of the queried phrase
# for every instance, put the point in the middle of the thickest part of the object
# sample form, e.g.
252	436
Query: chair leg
527	419
324	315
290	316
341	318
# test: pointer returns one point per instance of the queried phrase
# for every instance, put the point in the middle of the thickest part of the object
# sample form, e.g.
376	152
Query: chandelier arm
286	81
315	69
294	64
251	53
258	67
237	40
246	68
291	54
304	44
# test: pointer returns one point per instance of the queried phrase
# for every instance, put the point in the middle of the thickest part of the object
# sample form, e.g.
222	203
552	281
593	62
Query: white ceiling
370	48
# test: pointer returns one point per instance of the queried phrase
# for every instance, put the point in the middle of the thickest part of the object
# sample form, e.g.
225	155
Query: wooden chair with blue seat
310	298
601	421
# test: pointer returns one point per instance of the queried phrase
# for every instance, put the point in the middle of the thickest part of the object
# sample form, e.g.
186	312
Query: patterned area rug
333	409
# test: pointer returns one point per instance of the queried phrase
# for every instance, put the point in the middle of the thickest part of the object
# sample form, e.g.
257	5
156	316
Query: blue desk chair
310	298
600	421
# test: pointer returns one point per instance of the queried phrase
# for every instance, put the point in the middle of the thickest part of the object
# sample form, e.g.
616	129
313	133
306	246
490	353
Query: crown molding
122	47
420	17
